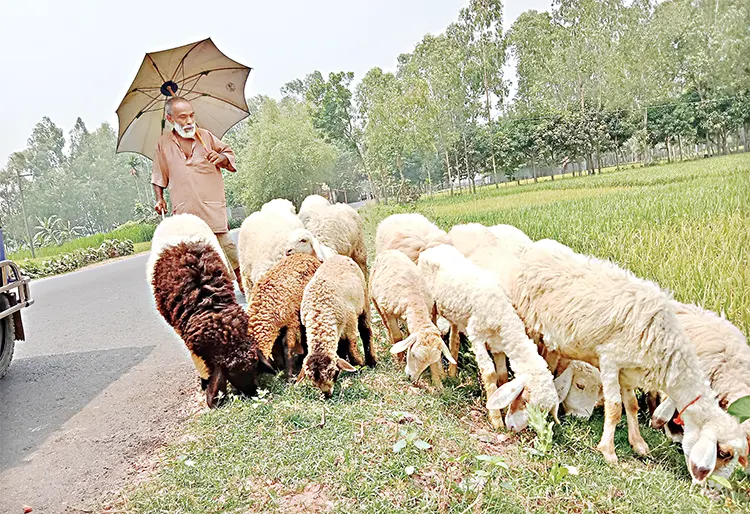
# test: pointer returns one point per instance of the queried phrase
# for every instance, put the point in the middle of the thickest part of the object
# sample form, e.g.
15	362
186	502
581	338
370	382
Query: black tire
7	338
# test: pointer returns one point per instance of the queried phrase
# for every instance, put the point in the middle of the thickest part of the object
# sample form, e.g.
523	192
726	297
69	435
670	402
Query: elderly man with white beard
192	173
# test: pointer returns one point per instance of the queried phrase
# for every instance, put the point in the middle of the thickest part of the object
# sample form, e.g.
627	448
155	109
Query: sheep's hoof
496	418
452	370
608	453
640	447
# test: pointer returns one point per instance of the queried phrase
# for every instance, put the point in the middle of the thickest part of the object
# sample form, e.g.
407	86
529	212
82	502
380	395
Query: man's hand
161	207
217	159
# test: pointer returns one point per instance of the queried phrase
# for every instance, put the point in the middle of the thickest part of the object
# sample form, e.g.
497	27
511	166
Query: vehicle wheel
7	338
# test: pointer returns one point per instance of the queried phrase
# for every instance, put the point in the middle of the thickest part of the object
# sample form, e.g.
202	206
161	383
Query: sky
71	58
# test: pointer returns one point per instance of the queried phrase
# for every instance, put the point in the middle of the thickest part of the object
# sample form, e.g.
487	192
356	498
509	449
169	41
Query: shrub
67	262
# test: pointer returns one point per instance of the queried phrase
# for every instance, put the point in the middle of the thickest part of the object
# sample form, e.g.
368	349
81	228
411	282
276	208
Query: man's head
180	114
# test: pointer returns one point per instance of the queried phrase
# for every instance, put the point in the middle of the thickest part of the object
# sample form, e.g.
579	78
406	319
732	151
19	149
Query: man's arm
221	154
161	204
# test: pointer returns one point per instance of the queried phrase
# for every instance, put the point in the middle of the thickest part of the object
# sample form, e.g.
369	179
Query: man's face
183	119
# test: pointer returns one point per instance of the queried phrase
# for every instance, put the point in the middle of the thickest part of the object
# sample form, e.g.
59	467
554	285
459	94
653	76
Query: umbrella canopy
213	83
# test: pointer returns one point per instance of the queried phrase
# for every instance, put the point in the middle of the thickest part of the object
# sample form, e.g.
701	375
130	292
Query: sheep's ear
216	382
663	413
403	345
563	383
506	393
447	352
266	362
702	460
318	251
345	366
554	413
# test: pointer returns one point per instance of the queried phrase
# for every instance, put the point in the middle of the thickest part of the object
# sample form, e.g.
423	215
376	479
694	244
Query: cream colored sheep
339	227
579	387
398	291
334	308
594	311
409	233
511	237
310	205
266	237
474	301
278	205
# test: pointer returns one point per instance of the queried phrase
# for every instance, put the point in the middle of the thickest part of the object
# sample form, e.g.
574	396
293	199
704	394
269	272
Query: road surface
99	384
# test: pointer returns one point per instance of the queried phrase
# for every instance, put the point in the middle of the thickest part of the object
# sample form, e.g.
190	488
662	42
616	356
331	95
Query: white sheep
398	291
266	237
474	301
592	310
310	205
579	386
334	309
512	237
339	227
278	204
409	233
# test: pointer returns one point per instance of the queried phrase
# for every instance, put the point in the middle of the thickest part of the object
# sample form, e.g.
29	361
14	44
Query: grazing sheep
594	311
334	308
310	205
724	356
399	292
266	237
275	305
579	387
474	301
278	205
409	233
339	228
193	292
512	238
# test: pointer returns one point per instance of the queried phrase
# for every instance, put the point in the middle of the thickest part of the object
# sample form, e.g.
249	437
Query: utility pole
23	210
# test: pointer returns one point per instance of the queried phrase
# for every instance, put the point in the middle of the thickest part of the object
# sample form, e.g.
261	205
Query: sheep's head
422	350
715	446
301	240
579	388
323	371
534	388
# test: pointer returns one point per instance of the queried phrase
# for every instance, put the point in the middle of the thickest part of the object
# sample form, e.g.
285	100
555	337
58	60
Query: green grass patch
686	226
142	247
136	232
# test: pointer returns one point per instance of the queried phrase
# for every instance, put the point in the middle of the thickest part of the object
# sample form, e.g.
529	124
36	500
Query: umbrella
213	83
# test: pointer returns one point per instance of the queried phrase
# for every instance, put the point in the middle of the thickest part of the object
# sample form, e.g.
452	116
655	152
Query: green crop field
685	226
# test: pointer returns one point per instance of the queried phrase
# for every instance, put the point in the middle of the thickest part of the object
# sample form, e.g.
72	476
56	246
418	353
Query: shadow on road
61	385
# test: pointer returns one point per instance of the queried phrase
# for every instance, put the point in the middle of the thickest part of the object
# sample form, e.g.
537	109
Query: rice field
686	226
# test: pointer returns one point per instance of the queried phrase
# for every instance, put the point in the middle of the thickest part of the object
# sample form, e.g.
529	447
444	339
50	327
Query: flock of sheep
575	330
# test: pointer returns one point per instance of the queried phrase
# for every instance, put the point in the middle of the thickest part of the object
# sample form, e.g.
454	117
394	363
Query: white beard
187	131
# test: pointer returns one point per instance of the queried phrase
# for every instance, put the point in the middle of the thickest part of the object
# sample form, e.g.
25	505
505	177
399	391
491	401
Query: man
188	161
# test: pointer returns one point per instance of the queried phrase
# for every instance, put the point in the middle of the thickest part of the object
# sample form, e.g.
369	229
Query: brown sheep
275	303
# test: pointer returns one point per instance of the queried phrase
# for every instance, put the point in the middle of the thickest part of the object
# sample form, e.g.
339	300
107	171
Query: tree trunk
533	170
489	121
679	145
617	157
669	153
744	137
448	164
466	163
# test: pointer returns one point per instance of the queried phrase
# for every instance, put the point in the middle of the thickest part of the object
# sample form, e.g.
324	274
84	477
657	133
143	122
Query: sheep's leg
247	285
292	344
488	377
365	332
631	412
437	374
501	368
216	382
454	343
652	400
351	335
612	408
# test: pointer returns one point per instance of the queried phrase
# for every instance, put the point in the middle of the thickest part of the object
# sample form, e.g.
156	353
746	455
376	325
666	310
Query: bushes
71	261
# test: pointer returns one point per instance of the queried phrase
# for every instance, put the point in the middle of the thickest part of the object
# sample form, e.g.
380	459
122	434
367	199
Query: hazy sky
70	58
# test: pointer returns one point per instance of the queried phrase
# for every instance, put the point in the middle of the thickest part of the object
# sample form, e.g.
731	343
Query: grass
685	226
142	247
136	232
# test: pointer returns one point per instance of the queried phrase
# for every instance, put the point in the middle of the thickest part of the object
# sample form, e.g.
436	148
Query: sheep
398	291
594	311
513	238
334	308
266	237
279	205
193	291
473	300
579	387
724	356
275	305
409	233
310	205
339	227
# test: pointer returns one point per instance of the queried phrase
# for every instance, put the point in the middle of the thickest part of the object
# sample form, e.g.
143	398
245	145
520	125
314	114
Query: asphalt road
99	384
